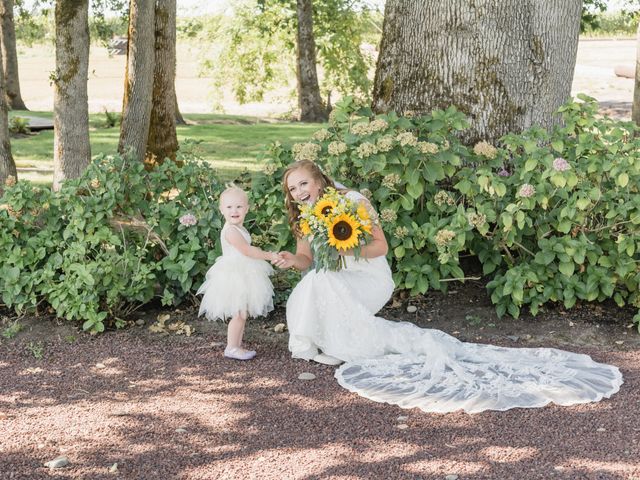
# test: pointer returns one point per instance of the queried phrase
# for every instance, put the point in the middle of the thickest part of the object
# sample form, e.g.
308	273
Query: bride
331	319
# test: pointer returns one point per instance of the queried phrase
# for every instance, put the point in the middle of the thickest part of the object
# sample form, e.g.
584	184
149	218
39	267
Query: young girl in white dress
237	286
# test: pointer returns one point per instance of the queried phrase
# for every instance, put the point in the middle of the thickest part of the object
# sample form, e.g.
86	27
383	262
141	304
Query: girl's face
234	207
303	187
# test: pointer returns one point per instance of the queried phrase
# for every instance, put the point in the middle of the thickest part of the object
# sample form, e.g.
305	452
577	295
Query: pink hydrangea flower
188	220
561	165
526	191
503	172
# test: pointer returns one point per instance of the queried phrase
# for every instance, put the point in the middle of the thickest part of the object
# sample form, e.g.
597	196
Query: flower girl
237	286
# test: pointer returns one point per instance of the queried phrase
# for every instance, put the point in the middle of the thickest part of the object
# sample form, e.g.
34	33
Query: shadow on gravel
172	407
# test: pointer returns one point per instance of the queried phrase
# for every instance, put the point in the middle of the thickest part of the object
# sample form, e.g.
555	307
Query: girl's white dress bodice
402	364
236	283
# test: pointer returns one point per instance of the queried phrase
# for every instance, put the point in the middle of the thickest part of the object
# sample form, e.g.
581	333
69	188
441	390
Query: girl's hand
285	260
273	257
346	253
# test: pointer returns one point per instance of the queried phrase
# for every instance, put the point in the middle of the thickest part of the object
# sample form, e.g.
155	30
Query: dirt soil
136	404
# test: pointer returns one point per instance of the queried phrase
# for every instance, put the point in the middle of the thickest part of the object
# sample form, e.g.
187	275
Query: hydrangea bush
552	216
109	241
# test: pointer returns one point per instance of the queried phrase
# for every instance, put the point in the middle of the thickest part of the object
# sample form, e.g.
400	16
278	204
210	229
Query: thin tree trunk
71	149
179	118
7	165
309	99
635	109
138	81
163	141
10	56
507	65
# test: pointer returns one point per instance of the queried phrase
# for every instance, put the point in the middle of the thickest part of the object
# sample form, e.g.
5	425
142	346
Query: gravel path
173	407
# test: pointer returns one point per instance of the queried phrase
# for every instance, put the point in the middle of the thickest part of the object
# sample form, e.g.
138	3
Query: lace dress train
402	364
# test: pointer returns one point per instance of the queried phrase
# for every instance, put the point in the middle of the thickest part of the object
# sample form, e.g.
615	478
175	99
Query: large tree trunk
179	118
138	81
71	149
635	109
10	56
507	64
163	142
7	165
309	99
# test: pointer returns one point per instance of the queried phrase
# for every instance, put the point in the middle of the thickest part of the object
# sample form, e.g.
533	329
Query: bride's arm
301	260
377	247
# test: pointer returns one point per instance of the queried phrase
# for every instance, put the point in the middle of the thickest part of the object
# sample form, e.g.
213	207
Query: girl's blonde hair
292	206
232	187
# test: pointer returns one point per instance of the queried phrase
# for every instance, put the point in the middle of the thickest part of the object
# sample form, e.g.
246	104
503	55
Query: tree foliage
257	51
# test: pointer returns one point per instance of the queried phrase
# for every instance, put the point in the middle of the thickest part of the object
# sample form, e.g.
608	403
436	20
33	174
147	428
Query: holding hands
283	260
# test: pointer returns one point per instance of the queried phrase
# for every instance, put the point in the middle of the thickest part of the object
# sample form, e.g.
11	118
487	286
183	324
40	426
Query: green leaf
463	186
583	203
433	172
567	268
507	220
564	226
406	202
415	190
530	164
557	145
622	180
529	146
558	180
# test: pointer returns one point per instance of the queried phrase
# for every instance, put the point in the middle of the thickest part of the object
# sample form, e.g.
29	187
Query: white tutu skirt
236	283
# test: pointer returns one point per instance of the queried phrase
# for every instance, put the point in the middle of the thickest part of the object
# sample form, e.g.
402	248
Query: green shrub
552	216
110	241
111	119
19	125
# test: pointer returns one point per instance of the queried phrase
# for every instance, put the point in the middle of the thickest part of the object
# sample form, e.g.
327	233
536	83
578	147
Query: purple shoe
238	353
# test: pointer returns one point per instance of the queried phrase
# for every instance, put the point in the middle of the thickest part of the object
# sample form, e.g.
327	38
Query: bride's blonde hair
292	206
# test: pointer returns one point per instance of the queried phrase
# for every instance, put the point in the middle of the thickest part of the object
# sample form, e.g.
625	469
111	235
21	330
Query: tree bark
10	56
138	82
7	165
635	109
71	149
163	141
179	118
506	64
309	99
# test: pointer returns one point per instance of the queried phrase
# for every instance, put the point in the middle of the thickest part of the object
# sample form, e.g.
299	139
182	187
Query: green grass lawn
230	143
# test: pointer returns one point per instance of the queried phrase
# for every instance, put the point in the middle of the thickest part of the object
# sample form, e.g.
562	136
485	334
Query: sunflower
364	218
344	231
304	227
323	208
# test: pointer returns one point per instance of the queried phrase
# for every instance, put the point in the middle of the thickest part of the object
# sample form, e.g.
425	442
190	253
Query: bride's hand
285	260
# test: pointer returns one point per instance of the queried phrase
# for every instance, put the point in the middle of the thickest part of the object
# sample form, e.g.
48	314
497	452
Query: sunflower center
326	210
342	230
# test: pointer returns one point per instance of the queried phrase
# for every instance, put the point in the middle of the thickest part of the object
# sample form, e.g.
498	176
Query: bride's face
303	187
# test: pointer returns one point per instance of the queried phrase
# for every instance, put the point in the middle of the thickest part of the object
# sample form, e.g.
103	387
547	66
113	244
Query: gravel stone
58	462
306	376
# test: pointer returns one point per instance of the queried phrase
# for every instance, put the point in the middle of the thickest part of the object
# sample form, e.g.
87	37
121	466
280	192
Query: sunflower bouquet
333	225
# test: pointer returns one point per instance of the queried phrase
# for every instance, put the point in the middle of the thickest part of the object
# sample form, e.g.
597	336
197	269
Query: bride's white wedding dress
402	364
